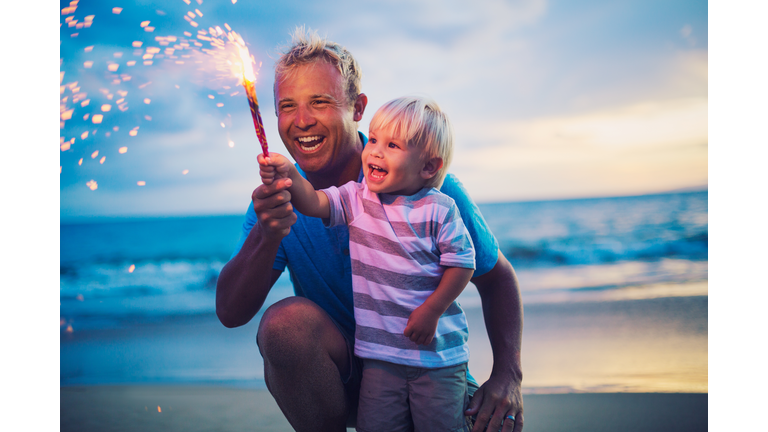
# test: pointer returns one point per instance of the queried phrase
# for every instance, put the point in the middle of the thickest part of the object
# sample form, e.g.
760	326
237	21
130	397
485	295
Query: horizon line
67	220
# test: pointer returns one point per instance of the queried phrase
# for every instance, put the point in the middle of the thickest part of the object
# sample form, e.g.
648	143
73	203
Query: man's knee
290	330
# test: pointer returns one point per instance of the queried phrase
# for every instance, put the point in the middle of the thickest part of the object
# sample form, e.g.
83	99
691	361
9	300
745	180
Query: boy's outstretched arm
422	324
304	197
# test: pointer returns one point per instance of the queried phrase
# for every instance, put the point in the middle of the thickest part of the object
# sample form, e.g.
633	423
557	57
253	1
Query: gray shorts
397	398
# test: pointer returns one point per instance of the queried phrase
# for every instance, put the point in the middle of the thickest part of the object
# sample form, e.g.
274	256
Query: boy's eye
372	140
393	145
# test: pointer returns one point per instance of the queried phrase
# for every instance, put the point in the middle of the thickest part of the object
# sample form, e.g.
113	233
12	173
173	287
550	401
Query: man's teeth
305	142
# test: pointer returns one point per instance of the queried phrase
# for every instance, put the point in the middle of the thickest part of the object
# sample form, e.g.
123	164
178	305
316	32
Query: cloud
686	33
641	148
655	123
545	98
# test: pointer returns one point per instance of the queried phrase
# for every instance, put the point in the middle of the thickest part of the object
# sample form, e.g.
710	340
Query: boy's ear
431	166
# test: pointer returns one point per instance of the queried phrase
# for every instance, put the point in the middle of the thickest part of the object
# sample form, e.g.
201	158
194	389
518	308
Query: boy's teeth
377	171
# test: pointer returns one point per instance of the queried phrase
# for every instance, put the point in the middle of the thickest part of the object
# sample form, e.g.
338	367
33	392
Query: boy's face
391	166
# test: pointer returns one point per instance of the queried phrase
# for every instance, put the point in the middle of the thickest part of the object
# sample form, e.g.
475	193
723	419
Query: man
306	340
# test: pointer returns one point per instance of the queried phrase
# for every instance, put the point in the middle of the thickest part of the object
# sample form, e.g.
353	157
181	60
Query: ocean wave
586	250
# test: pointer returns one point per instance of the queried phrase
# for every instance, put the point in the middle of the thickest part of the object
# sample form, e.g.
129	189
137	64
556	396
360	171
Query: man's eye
286	107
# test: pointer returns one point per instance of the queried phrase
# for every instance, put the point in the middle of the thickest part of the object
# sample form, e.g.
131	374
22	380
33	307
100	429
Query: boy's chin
377	189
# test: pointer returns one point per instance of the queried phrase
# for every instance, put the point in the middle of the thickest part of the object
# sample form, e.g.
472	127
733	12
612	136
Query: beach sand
210	408
588	366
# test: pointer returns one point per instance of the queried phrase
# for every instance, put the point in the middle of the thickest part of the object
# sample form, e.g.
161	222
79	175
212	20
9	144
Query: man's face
316	122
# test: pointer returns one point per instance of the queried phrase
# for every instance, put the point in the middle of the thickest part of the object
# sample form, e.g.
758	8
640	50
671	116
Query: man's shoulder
453	188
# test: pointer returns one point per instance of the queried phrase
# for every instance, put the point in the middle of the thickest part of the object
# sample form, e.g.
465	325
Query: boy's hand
273	167
422	325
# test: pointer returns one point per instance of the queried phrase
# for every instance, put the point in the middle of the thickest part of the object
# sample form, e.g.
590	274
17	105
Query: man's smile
309	143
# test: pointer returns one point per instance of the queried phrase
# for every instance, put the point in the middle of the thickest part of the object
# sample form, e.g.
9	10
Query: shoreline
189	407
630	346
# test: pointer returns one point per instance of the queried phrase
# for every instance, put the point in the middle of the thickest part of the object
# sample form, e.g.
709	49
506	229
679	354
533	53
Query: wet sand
202	408
589	366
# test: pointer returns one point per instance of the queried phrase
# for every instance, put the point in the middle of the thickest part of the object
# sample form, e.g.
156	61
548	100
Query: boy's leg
438	398
383	398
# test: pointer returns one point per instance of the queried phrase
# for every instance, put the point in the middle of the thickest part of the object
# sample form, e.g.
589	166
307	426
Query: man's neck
342	173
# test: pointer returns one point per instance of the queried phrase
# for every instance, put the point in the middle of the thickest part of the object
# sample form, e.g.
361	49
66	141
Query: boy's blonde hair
308	48
420	122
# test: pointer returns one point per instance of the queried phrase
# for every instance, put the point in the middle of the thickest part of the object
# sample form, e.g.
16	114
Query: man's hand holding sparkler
271	200
302	194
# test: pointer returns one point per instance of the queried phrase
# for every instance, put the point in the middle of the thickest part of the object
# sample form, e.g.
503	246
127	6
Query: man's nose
304	118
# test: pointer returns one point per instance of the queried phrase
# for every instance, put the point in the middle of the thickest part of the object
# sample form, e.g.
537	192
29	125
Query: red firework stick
249	80
253	102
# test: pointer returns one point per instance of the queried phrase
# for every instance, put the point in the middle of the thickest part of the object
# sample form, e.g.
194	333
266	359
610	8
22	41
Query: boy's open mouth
377	172
310	143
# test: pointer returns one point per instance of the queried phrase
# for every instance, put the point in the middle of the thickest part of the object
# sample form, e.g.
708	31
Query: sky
548	99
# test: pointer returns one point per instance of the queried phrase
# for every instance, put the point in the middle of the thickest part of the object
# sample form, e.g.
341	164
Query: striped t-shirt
400	246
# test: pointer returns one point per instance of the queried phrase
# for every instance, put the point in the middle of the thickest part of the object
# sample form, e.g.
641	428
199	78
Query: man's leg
305	357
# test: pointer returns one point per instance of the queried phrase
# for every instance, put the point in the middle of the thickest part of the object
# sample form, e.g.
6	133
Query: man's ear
431	167
359	107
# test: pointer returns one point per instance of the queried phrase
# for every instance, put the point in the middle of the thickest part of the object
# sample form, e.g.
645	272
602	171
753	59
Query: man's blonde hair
307	48
420	122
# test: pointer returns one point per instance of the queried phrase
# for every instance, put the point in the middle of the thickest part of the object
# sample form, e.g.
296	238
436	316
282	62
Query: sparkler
249	82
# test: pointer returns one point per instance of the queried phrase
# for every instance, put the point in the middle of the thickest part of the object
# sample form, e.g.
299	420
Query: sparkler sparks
249	82
206	47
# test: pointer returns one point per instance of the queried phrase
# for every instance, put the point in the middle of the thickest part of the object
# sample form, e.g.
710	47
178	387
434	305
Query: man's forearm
503	315
246	279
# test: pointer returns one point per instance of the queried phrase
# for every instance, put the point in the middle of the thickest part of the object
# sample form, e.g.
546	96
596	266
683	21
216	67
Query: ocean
133	275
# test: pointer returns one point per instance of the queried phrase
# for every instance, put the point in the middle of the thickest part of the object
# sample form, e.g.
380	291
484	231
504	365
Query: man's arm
246	279
501	395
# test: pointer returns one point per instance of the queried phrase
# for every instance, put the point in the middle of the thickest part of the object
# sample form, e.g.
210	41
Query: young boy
411	257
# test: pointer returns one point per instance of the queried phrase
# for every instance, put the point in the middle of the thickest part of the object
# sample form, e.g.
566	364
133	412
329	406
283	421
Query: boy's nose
376	151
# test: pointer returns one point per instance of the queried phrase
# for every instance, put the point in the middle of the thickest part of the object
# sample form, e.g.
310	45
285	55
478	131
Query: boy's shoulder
435	196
